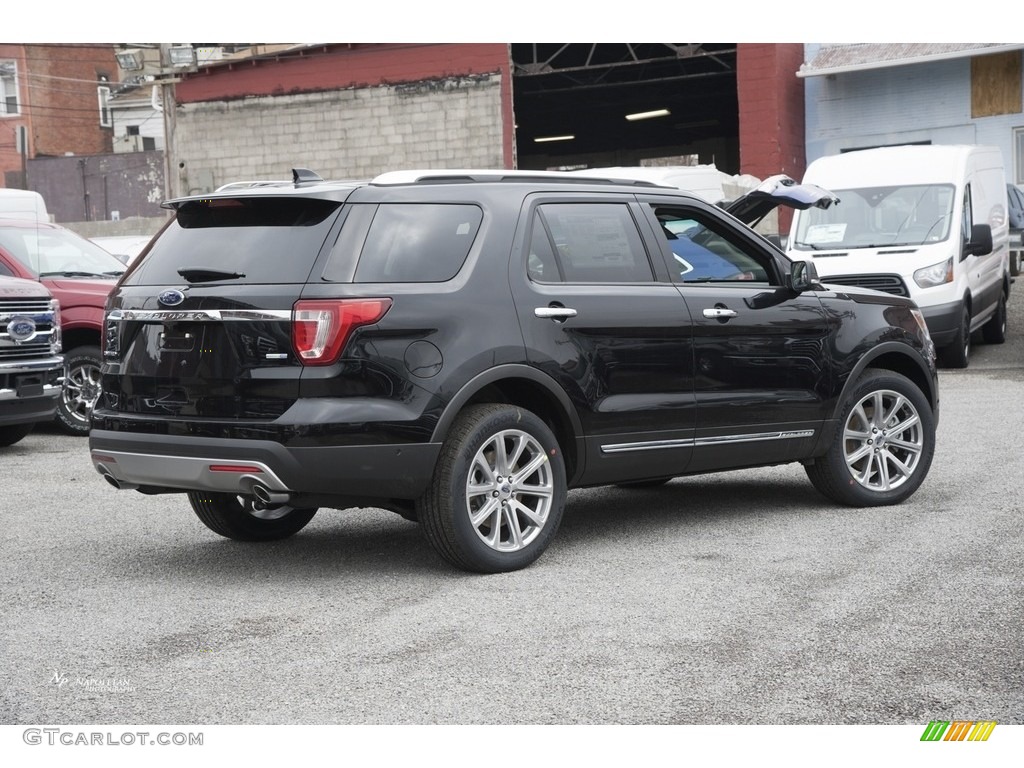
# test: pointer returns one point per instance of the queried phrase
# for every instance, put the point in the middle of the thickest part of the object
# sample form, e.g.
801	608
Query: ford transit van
925	221
23	204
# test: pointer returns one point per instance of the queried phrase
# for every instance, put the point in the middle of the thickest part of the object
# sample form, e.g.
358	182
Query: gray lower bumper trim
131	470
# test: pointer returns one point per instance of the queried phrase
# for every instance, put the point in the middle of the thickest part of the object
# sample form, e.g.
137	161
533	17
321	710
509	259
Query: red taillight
320	328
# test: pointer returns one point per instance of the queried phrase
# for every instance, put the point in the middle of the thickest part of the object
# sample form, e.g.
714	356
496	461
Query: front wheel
498	491
994	331
958	353
80	391
245	518
883	445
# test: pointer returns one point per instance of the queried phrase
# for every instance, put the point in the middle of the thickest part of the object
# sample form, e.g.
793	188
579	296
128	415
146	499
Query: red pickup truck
80	275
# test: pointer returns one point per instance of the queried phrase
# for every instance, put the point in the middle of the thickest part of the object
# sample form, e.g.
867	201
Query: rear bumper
172	463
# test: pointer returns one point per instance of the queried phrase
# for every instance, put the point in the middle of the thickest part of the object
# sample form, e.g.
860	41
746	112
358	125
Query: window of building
8	88
103	95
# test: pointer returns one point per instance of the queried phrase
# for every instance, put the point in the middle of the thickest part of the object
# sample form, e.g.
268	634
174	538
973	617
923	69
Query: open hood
775	191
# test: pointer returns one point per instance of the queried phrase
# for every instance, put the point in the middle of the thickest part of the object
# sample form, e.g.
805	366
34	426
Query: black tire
80	391
644	483
1014	263
12	433
994	331
869	463
516	514
958	353
242	518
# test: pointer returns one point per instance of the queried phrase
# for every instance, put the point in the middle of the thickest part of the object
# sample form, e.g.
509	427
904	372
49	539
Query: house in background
54	101
876	94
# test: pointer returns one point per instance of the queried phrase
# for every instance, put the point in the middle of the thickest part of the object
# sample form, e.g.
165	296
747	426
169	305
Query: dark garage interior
586	90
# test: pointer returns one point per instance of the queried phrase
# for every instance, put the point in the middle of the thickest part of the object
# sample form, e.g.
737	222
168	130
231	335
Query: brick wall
65	112
450	122
771	103
10	160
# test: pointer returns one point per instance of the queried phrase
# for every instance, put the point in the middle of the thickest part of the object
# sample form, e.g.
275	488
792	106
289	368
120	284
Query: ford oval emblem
171	298
21	329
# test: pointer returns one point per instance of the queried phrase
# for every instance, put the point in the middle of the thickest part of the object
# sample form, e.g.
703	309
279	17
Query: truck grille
39	311
888	283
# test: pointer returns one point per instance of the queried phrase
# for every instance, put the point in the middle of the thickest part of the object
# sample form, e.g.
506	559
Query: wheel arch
893	356
528	388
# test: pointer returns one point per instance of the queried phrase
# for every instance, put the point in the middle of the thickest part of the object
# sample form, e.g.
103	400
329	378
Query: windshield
51	252
879	217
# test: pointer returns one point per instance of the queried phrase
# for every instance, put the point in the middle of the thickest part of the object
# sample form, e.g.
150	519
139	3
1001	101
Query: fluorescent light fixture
542	139
182	55
648	115
129	60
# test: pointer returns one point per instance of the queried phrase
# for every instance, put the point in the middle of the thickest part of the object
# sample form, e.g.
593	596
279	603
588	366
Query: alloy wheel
883	440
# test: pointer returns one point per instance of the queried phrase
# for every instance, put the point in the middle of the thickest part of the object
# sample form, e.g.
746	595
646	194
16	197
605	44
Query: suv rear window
266	239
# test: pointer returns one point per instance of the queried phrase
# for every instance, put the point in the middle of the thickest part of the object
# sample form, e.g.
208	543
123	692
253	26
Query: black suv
464	347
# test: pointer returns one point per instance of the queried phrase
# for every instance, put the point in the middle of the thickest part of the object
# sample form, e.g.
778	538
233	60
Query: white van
705	181
22	204
925	221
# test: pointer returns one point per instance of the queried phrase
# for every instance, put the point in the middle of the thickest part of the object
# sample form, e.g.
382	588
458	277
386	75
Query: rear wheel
11	434
80	391
994	331
883	446
245	518
1015	263
498	491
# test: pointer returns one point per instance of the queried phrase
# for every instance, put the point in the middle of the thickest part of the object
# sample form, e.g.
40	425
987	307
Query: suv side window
417	242
587	243
704	251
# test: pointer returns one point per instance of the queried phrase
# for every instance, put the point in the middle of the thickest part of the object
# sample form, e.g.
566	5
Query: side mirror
980	242
803	275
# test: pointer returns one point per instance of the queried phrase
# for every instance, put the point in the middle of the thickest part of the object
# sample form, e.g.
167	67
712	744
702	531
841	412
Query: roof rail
463	176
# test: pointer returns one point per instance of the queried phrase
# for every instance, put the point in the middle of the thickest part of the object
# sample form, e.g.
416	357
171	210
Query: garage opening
586	105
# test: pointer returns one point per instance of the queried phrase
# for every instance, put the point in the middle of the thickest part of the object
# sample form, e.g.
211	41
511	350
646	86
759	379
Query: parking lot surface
734	598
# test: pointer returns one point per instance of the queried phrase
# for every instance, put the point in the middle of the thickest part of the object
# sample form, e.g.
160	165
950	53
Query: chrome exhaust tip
269	497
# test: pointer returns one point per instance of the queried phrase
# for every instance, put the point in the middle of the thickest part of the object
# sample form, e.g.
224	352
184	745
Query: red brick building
53	95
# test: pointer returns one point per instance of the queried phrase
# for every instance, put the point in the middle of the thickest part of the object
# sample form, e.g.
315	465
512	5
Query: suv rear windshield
262	239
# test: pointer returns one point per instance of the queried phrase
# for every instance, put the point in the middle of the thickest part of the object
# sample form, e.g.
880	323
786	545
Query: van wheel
244	518
958	353
883	445
80	391
498	491
994	331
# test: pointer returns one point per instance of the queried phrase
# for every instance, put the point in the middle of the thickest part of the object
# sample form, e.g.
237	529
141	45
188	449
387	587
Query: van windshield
875	217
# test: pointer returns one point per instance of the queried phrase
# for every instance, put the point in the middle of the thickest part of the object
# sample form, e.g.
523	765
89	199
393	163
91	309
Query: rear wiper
205	275
71	273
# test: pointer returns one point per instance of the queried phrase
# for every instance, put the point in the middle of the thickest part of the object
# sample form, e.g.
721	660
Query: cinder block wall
453	122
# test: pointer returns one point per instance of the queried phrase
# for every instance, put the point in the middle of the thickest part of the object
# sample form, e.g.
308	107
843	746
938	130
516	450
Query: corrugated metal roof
834	59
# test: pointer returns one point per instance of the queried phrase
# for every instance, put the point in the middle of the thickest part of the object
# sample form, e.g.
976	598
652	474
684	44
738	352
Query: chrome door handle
719	313
554	313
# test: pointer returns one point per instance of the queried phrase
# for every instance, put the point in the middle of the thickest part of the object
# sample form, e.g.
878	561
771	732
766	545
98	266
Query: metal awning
854	57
